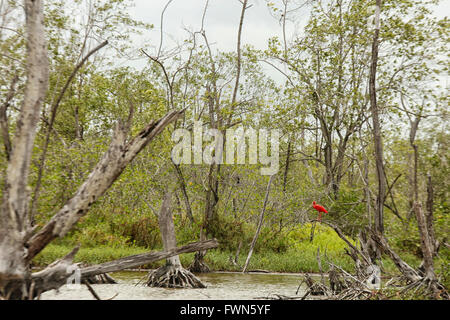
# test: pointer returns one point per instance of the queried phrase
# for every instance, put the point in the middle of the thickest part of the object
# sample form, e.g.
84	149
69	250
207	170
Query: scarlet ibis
320	209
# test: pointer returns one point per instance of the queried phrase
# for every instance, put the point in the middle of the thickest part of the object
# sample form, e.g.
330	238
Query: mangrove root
198	265
171	276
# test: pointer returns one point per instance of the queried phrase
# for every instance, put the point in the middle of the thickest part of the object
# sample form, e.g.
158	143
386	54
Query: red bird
320	209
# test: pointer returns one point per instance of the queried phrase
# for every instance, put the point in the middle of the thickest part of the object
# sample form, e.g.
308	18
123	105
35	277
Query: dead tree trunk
414	188
258	229
427	246
57	273
378	144
429	215
184	191
145	258
428	282
14	226
172	274
404	268
286	168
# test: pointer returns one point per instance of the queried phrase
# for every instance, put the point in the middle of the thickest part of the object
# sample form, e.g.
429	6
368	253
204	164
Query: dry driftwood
57	273
119	154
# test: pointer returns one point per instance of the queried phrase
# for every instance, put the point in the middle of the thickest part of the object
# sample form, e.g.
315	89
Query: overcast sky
221	23
222	20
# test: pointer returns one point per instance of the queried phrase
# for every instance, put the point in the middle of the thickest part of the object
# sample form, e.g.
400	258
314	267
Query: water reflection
220	286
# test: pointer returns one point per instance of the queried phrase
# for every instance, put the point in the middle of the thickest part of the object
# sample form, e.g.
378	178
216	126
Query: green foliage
228	231
140	230
320	106
348	211
323	237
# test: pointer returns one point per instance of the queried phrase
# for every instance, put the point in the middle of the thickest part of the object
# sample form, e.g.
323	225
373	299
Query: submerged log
103	278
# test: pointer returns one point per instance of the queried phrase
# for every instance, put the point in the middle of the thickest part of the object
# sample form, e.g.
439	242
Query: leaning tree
20	242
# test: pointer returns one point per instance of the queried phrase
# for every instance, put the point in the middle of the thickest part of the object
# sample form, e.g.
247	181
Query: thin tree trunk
4	126
258	229
184	191
238	62
378	144
286	169
429	214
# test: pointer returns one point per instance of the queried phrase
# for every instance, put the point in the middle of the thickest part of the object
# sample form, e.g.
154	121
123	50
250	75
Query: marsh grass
300	255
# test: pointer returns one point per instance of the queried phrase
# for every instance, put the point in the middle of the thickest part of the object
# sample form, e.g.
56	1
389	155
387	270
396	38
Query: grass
289	261
300	255
85	255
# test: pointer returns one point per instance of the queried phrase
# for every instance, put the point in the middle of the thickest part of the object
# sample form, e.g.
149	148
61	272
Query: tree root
198	265
170	276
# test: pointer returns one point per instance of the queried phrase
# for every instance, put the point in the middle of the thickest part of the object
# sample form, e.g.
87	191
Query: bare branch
108	169
161	35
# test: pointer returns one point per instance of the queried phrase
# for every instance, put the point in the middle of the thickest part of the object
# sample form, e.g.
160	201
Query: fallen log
145	258
57	274
404	268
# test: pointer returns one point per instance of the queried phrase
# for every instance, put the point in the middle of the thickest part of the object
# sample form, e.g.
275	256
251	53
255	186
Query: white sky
222	19
221	24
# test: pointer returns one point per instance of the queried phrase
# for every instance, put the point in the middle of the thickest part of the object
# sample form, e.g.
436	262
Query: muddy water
220	285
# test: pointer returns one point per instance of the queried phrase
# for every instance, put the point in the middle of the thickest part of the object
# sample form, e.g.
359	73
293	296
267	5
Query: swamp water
220	286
